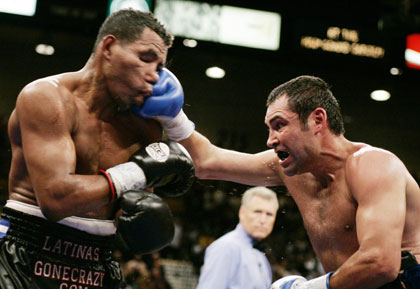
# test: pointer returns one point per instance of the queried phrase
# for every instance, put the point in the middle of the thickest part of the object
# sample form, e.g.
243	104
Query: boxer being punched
80	155
359	204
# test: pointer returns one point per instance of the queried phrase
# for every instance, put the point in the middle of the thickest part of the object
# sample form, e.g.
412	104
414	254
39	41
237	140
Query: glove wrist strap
111	185
127	176
328	279
178	128
299	282
322	282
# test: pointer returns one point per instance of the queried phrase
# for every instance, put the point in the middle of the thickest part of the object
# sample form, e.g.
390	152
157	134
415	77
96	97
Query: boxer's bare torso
89	138
67	127
360	195
329	212
359	204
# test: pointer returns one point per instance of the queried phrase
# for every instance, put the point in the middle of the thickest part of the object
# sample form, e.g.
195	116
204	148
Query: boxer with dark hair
82	157
359	203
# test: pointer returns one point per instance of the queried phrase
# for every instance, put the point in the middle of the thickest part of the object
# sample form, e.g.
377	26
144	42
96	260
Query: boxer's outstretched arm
50	155
212	162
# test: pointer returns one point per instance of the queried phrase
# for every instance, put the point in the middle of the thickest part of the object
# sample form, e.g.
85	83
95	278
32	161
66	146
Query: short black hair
306	93
127	25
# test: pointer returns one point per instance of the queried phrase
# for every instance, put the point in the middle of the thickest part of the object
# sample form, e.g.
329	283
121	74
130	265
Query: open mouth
283	155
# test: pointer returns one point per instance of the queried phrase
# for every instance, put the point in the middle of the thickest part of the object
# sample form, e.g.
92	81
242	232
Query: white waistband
91	226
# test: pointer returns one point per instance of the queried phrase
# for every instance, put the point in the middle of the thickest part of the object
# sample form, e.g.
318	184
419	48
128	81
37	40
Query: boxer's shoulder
370	165
47	99
53	83
53	91
364	154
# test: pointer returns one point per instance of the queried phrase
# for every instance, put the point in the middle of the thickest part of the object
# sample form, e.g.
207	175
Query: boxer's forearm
366	270
212	162
75	195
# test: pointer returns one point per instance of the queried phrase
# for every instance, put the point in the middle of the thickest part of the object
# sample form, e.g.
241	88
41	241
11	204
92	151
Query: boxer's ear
106	44
319	118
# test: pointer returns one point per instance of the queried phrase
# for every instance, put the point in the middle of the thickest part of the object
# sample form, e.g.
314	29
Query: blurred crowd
142	272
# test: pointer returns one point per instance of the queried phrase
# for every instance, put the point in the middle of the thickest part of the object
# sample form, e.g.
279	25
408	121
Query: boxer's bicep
378	185
46	141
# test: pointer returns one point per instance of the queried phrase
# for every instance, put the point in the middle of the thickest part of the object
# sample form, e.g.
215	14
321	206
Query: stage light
44	49
190	43
18	7
215	72
380	95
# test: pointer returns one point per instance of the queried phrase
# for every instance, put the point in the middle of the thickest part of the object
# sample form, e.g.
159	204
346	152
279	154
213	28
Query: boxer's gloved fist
165	105
146	224
299	282
166	99
165	165
175	177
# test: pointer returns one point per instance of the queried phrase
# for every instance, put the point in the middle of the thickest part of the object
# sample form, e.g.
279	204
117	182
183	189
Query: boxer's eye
148	56
278	125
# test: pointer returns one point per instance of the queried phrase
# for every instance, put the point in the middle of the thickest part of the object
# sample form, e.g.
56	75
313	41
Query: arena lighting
44	49
115	5
215	72
412	51
190	43
380	95
220	23
18	7
395	71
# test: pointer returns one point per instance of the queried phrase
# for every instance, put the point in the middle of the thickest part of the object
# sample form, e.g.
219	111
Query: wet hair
306	93
261	192
127	25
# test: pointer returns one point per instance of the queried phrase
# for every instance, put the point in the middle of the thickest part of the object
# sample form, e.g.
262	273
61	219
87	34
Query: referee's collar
240	229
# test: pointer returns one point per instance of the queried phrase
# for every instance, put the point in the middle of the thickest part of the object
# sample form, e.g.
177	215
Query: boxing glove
165	105
299	282
146	224
165	165
166	99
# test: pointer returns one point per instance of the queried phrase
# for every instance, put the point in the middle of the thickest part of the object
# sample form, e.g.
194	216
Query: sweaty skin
359	204
68	126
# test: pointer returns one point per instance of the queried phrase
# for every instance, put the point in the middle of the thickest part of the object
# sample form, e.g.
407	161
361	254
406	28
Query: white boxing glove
299	282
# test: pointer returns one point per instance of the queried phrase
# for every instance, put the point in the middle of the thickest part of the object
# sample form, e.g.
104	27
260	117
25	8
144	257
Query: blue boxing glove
166	99
165	105
299	282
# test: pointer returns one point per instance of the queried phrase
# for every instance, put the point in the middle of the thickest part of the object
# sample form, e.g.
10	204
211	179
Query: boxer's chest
100	145
329	216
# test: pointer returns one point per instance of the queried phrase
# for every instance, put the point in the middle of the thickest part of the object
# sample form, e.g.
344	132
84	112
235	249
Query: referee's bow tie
261	246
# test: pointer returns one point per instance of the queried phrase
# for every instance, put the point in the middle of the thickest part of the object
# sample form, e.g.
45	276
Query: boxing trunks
74	253
409	276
